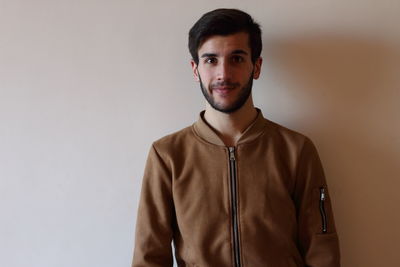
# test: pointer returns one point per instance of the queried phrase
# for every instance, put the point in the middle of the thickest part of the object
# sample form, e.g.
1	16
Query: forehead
225	43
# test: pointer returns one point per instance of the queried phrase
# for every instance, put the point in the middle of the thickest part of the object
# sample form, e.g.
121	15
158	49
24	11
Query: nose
224	71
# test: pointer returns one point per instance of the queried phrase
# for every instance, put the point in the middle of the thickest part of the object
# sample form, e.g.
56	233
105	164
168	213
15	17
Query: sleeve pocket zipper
322	197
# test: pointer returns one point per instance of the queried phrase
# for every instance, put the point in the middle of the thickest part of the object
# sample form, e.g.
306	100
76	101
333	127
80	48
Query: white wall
86	86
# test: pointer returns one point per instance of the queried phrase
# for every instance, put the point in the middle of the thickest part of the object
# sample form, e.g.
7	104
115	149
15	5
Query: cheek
205	77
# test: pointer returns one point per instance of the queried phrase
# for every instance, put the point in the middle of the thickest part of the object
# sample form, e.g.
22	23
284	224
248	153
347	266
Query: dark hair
225	22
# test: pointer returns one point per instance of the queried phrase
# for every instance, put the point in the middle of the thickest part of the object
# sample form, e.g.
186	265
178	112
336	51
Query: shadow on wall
351	88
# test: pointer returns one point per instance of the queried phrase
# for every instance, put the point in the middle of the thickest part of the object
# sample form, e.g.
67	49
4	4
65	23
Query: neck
230	126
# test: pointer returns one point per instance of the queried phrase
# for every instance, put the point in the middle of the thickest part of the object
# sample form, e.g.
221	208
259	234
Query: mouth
223	88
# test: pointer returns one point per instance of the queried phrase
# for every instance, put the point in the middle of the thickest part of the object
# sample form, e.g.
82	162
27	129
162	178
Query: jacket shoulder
174	141
289	141
285	134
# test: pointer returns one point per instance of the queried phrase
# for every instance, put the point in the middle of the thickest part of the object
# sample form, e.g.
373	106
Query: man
233	189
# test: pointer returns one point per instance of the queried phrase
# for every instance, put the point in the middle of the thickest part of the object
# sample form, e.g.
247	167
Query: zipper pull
322	193
322	197
232	153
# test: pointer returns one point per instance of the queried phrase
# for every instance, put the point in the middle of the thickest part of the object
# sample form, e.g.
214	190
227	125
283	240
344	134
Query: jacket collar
206	132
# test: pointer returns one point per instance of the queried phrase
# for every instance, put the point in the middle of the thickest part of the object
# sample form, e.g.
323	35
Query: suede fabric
186	199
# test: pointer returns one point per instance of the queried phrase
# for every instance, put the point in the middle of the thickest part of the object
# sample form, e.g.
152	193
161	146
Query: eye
210	60
237	59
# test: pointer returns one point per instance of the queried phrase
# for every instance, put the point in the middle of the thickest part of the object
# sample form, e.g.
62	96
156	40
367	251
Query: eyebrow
240	52
208	55
234	52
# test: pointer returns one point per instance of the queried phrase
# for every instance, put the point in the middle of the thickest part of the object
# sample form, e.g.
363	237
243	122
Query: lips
223	88
223	91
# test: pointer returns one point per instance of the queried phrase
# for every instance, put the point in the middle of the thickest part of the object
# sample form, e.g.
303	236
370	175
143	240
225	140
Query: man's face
225	71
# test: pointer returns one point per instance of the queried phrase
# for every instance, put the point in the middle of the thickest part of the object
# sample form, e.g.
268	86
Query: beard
244	94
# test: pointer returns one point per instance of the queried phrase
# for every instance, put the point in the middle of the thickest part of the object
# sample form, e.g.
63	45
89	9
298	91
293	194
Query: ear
195	70
257	68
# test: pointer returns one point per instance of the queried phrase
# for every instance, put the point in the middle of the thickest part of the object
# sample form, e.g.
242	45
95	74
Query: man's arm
154	220
317	235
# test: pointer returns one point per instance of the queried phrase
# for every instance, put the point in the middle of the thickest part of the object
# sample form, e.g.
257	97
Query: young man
233	189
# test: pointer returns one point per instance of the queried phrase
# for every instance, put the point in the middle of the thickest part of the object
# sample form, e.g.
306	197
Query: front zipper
322	197
232	169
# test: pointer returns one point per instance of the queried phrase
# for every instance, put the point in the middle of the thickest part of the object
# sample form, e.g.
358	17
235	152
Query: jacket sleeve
318	240
155	214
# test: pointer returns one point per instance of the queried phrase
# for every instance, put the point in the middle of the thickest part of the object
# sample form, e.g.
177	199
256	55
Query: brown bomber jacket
263	204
